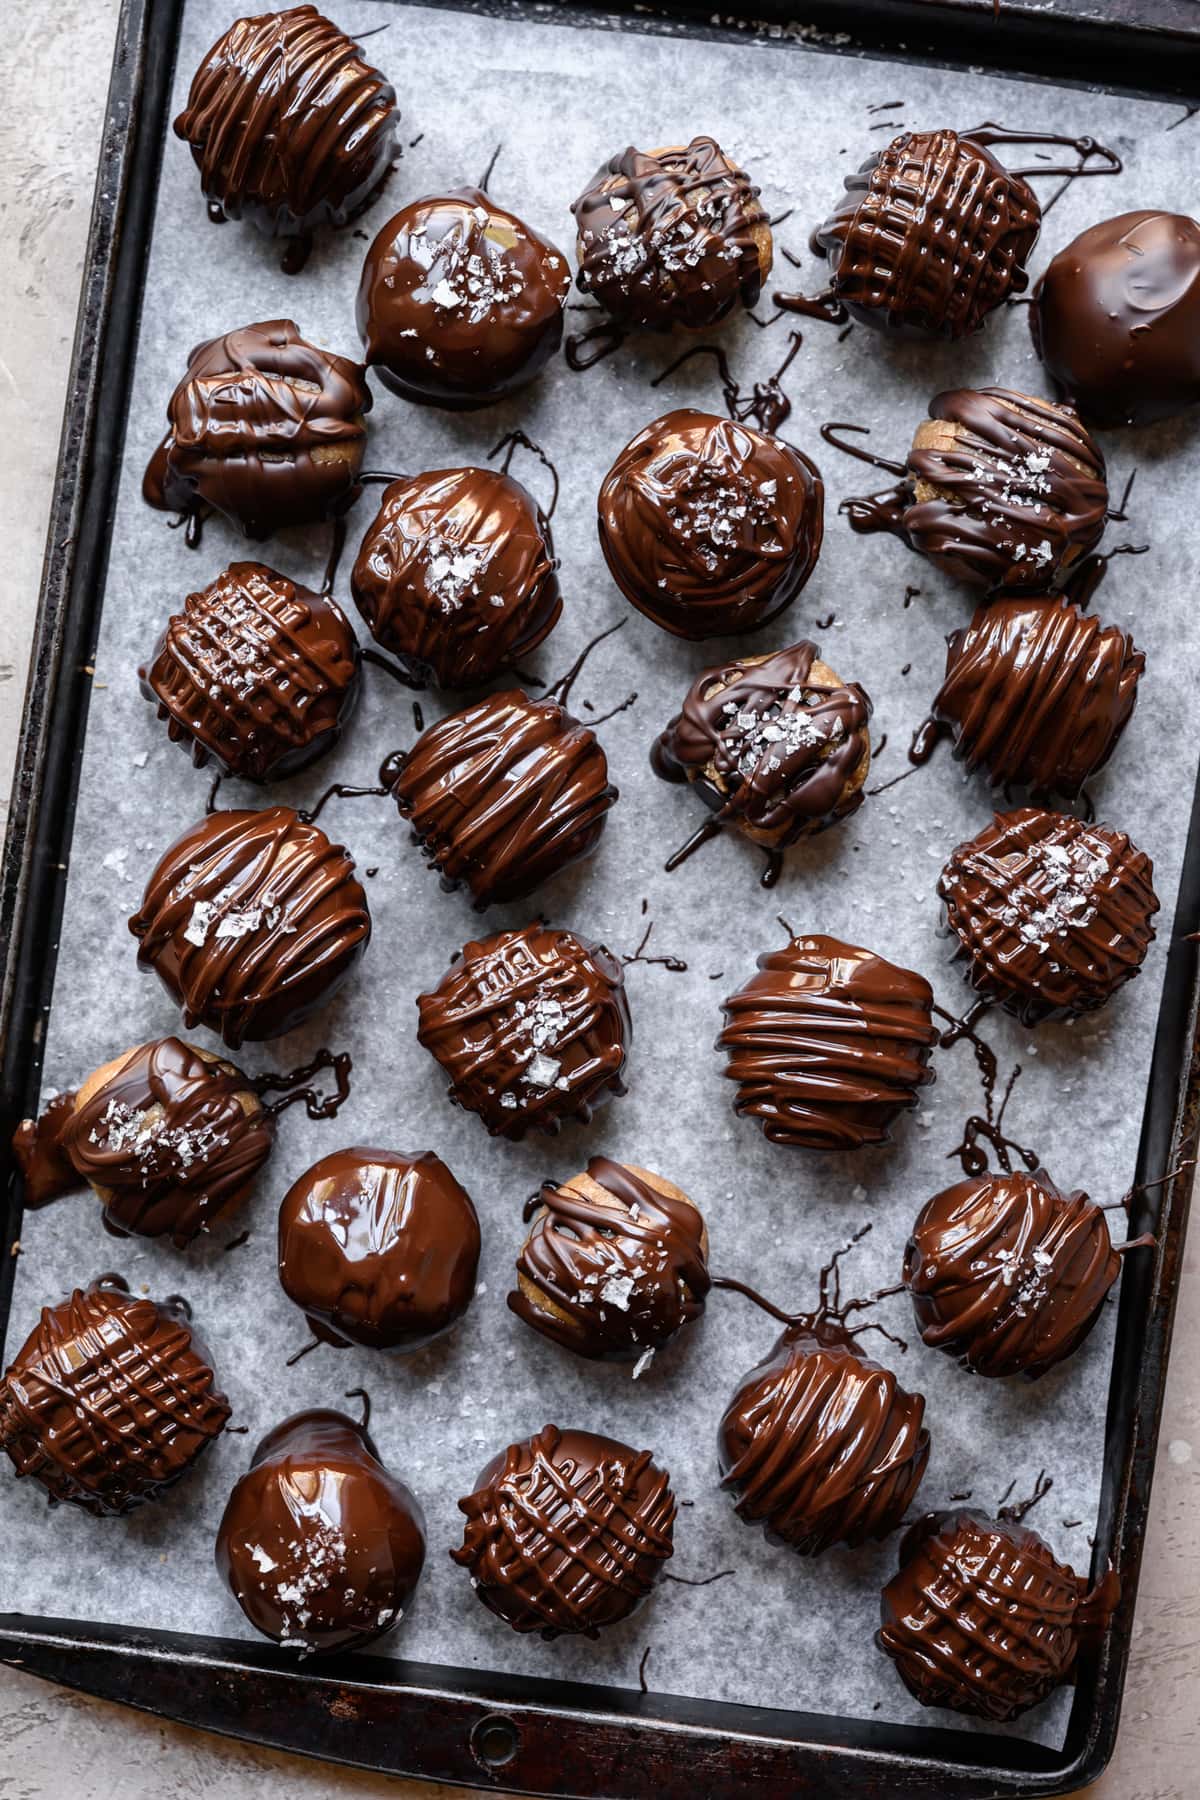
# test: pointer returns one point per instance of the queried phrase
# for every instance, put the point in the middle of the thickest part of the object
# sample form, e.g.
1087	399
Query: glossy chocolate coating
1007	1274
109	1400
828	1044
982	1618
321	1546
1037	693
257	673
672	237
933	233
457	576
776	745
1003	490
821	1446
1116	319
379	1248
1052	915
567	1532
289	126
615	1265
264	428
505	794
252	920
460	302
170	1137
531	1027
708	526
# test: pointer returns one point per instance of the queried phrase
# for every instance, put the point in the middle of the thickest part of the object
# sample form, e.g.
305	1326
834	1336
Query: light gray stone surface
54	63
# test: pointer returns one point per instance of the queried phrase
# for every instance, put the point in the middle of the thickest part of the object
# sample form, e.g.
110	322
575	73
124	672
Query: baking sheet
561	99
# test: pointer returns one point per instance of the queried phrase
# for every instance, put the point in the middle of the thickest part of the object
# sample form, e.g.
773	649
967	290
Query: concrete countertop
55	62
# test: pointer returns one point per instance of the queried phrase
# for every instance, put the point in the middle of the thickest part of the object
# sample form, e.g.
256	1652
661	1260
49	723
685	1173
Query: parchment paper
779	1631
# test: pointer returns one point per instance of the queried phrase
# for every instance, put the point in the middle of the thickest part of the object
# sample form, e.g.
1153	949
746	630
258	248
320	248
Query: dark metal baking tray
542	1736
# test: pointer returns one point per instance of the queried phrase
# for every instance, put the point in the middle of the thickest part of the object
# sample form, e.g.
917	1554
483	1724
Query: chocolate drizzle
708	526
289	126
567	1532
505	794
615	1265
460	301
1051	914
777	745
320	1544
828	1044
1036	694
981	1618
252	920
672	237
531	1027
1008	1274
109	1400
379	1248
257	673
457	575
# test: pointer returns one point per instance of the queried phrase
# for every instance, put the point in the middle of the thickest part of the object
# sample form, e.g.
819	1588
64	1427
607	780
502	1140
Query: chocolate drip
379	1248
1036	694
615	1265
46	1172
1008	1274
886	463
981	1618
567	1532
457	576
708	526
776	745
290	128
252	920
672	237
1116	318
1051	914
828	1044
460	301
608	338
531	1027
295	1086
109	1400
766	404
505	794
264	428
321	1545
257	673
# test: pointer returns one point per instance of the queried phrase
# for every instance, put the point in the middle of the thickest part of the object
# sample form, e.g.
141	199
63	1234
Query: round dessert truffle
1008	1274
1116	319
708	526
320	1545
934	233
778	746
252	920
672	237
257	673
457	576
379	1248
615	1265
290	128
1036	694
169	1137
982	1618
567	1532
1002	490
828	1044
265	429
505	794
820	1446
109	1400
1052	915
531	1027
460	302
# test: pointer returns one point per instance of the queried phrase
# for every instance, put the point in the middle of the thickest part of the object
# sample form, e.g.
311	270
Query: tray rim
565	1732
